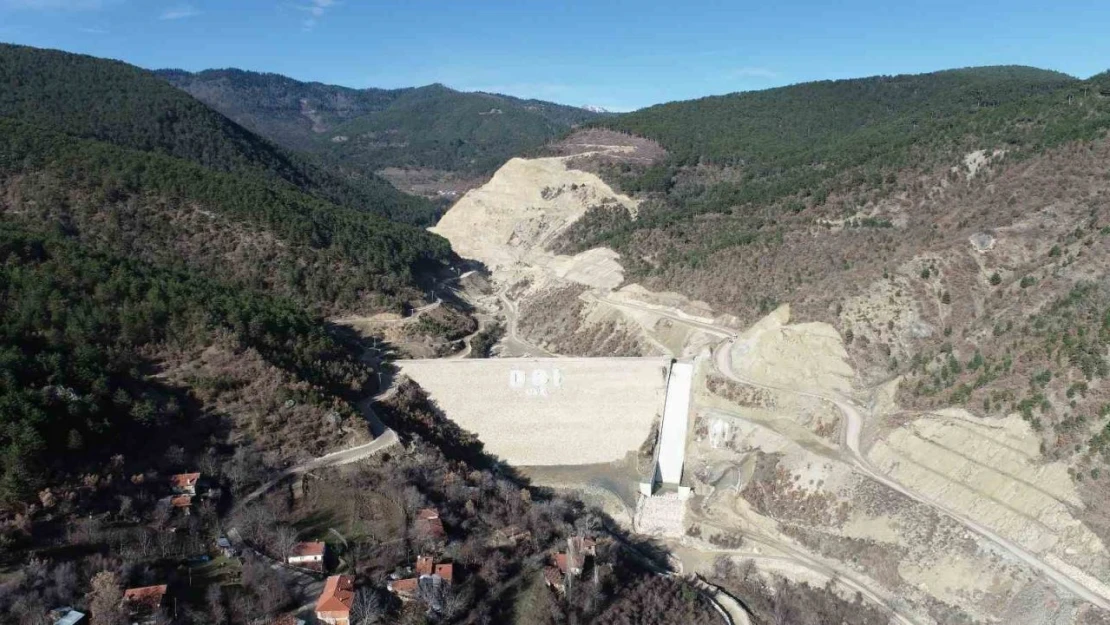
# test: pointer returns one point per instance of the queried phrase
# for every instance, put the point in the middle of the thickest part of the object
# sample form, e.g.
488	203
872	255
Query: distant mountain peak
595	109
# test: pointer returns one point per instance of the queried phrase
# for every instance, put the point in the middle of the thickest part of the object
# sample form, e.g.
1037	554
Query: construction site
754	444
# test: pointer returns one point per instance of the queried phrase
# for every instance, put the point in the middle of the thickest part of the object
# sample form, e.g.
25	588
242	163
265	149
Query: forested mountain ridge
290	112
757	155
130	107
370	129
153	248
807	123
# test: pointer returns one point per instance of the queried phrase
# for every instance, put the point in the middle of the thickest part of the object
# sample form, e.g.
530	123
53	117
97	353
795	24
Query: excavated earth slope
509	225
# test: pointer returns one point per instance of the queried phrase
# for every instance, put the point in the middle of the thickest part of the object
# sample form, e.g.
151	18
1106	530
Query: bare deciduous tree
106	599
285	538
368	607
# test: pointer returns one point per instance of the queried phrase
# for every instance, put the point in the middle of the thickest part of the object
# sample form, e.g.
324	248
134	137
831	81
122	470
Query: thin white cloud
754	72
315	10
179	13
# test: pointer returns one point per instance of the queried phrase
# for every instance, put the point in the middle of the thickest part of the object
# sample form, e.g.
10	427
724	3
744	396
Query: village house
184	483
569	563
334	605
143	604
182	502
287	619
308	554
509	536
429	524
428	575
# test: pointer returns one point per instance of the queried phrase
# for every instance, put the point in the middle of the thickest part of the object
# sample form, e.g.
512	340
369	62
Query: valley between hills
827	353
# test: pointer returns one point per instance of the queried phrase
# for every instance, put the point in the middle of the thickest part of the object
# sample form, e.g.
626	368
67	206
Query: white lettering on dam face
537	382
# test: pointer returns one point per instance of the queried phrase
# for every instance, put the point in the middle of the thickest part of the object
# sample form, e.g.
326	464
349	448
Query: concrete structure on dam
670	449
562	411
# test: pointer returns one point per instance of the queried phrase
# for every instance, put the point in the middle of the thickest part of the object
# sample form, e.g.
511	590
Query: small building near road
226	548
182	502
509	536
570	563
334	605
428	575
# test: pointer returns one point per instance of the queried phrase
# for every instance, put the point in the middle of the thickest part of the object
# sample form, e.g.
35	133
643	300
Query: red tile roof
338	595
181	501
582	544
314	548
424	565
428	521
446	571
184	480
149	597
404	586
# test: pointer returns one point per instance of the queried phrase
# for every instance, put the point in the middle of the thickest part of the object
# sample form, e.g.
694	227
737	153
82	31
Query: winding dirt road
384	439
852	432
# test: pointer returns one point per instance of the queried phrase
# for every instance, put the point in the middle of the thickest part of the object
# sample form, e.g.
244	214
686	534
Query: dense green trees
93	98
758	155
379	246
369	129
843	121
76	331
130	210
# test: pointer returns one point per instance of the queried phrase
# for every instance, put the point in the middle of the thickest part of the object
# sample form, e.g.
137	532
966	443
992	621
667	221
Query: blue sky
613	53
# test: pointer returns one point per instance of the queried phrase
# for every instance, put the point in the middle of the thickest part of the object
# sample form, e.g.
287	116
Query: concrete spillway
676	418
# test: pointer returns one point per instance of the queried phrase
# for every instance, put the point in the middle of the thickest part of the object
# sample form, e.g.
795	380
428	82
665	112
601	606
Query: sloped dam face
549	411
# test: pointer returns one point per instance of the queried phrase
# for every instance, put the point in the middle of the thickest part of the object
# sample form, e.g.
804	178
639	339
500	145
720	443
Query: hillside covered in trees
141	229
827	148
370	129
130	107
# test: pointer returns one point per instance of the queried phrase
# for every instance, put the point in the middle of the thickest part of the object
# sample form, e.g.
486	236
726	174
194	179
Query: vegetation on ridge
369	129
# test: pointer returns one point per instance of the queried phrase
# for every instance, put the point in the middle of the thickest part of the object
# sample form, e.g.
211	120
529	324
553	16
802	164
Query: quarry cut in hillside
941	508
509	221
558	303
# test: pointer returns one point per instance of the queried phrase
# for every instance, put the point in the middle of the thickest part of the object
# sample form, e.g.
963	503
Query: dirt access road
722	362
384	438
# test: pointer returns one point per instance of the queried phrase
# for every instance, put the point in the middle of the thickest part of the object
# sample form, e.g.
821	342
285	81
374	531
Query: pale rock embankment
510	224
